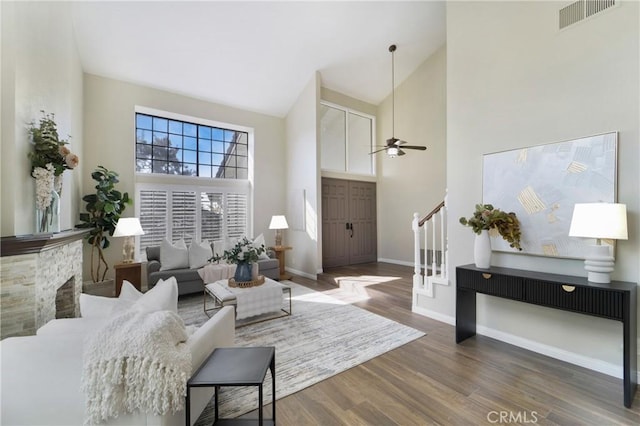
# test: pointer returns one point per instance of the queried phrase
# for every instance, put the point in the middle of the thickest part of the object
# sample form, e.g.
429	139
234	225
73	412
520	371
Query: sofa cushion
199	254
162	297
173	256
259	241
219	246
101	306
96	306
129	292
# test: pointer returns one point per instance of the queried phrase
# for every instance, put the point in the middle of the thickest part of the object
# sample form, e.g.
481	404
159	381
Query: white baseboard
394	261
434	315
403	263
302	274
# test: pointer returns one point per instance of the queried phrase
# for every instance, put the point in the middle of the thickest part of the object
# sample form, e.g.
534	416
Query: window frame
372	145
197	121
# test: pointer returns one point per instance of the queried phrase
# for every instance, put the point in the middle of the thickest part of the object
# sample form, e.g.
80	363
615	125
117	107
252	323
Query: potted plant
103	212
486	218
244	254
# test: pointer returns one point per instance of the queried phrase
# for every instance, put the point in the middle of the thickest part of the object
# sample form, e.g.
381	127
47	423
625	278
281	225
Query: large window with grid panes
177	147
206	196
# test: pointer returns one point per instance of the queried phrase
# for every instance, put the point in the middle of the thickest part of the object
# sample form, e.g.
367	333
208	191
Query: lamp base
599	264
278	237
128	249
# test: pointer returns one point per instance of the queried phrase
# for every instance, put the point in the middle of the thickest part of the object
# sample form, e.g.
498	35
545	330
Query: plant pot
243	272
102	288
482	250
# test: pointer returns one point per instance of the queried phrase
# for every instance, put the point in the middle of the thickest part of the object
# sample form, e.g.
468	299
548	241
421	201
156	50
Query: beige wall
514	81
303	173
110	135
41	70
414	182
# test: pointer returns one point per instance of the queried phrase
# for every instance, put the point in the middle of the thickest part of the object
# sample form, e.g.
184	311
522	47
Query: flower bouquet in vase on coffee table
245	254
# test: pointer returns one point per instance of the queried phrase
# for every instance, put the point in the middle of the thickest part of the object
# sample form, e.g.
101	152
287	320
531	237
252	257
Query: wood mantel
35	243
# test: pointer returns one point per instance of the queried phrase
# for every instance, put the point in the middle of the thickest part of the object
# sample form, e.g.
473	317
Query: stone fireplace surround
32	269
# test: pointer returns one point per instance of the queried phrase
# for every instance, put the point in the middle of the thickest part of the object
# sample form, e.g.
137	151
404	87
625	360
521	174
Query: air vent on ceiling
576	12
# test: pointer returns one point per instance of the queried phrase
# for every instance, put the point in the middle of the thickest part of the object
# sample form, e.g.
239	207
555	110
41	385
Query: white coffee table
252	302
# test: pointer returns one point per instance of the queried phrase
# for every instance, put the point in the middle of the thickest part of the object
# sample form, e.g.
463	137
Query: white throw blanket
214	272
138	362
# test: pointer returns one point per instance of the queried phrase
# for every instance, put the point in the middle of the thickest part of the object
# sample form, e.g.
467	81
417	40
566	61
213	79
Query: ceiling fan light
392	152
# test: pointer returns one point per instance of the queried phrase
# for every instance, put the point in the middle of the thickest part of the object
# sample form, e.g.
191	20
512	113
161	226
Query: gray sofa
189	280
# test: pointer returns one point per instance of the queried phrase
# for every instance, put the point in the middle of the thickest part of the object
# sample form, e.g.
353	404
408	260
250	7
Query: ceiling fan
394	145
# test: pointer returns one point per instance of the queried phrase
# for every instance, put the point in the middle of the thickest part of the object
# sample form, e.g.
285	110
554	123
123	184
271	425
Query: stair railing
433	229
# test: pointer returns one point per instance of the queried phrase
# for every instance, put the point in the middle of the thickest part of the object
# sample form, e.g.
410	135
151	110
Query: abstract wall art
542	183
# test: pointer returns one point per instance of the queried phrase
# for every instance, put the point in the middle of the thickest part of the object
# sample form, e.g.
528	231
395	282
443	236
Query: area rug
323	337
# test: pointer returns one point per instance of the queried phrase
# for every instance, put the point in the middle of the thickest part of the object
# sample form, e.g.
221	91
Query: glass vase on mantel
482	250
243	272
48	219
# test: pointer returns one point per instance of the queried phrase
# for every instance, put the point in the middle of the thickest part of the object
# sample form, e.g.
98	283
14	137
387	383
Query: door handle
350	228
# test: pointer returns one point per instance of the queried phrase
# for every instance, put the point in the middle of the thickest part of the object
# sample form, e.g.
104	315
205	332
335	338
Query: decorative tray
246	284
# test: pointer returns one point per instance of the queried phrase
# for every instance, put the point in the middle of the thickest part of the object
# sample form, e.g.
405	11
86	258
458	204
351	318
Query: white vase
482	250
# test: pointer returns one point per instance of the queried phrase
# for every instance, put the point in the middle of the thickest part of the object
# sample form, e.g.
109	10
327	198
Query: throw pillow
199	254
129	292
219	246
129	295
162	297
96	306
173	256
258	241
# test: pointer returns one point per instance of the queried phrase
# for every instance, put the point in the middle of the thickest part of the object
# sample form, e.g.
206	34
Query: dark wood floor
432	380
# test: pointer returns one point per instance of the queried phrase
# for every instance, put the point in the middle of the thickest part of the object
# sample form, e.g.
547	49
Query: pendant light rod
392	49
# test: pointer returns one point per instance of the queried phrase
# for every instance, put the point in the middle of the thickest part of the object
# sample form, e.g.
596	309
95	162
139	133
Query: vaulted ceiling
258	56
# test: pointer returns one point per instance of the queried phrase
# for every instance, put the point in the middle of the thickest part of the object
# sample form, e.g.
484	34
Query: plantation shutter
236	218
211	216
153	218
183	215
193	214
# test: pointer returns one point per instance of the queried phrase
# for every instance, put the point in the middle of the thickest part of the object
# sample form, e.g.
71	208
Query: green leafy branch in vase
486	218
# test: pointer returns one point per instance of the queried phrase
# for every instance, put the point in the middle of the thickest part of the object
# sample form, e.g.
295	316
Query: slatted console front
616	301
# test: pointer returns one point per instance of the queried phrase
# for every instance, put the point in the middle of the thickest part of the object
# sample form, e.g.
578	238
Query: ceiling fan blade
378	150
401	152
421	148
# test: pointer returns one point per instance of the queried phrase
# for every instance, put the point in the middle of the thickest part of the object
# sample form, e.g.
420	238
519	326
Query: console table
616	301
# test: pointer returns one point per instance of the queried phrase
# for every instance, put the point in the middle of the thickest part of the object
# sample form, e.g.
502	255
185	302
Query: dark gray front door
348	222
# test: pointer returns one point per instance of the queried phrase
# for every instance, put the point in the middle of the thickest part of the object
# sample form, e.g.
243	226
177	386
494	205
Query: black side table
241	366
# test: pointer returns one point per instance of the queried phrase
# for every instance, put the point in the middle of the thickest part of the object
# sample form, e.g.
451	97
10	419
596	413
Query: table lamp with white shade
128	227
278	222
599	221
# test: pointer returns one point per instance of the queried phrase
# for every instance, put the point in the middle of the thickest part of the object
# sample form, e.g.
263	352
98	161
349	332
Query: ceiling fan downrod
392	49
